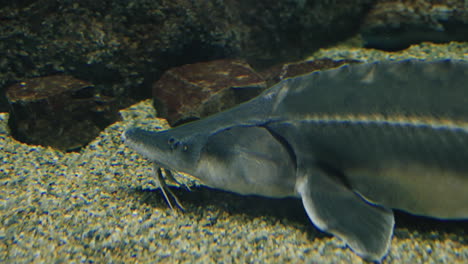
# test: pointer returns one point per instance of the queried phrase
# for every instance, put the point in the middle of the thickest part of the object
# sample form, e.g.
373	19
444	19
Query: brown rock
278	73
396	24
59	111
197	90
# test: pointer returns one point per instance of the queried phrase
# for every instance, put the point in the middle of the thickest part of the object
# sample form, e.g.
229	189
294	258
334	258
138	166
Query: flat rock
194	91
59	111
278	73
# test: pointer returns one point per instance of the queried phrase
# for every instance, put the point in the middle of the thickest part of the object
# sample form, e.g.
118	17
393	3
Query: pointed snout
131	134
152	145
164	148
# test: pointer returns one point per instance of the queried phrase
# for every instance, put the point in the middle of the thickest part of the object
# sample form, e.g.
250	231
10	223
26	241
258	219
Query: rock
396	24
279	31
278	73
194	91
59	111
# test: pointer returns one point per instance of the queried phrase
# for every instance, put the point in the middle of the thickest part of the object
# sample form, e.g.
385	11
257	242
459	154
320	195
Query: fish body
352	143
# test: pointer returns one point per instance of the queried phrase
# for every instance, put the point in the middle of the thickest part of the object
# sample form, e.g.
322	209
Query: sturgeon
352	143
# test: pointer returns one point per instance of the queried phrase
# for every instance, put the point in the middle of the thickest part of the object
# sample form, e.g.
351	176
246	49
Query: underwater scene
210	131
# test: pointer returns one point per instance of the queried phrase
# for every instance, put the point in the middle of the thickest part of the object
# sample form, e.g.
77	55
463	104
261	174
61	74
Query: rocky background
124	46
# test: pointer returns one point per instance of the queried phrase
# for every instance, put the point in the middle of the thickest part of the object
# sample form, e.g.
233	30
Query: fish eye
171	140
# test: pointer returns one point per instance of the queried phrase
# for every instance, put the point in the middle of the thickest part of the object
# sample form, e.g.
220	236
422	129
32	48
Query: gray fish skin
397	131
352	143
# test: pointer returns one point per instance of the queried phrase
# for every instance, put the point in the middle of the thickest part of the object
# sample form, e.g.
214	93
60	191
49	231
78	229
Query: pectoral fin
334	208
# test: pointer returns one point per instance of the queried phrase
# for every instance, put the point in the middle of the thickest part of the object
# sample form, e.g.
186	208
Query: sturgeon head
232	150
166	148
242	159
